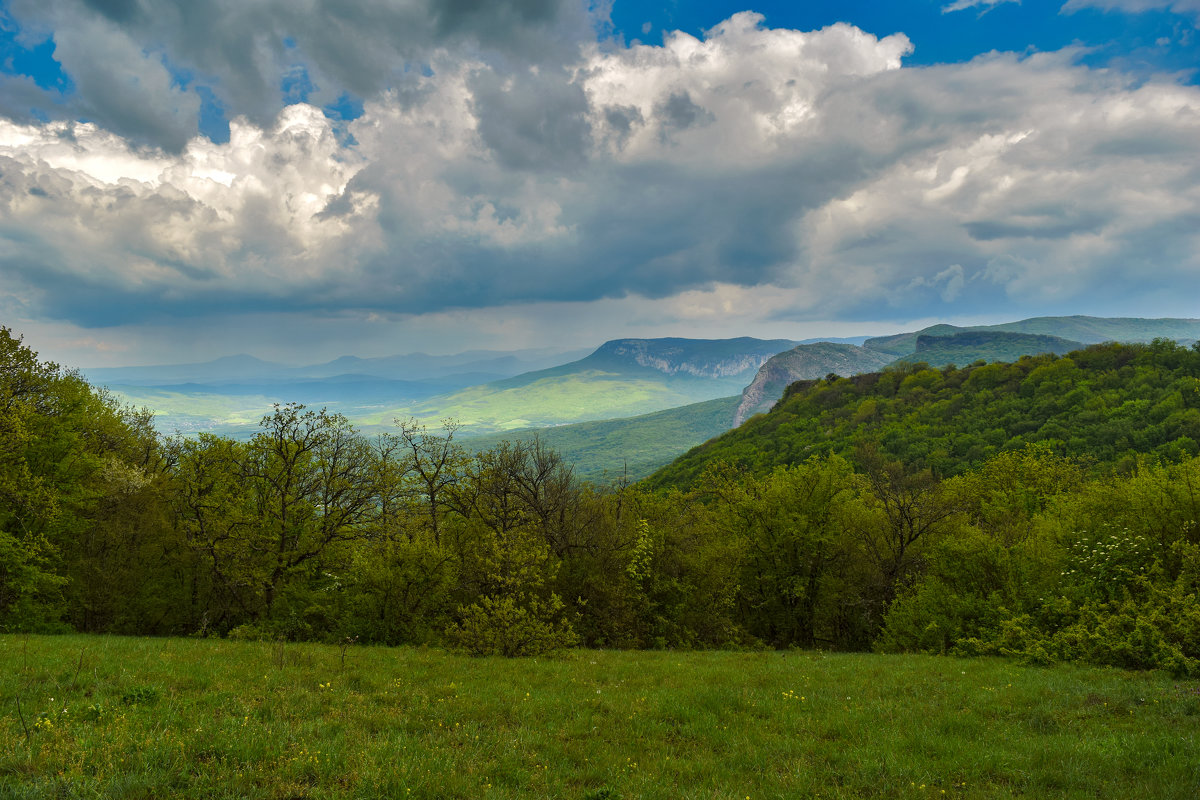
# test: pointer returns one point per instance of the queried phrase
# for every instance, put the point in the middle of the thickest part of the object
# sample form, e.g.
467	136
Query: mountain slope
227	369
705	360
622	378
1107	403
800	363
939	345
634	446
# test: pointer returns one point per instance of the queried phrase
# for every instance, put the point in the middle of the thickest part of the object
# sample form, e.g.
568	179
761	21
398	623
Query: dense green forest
1044	509
1105	403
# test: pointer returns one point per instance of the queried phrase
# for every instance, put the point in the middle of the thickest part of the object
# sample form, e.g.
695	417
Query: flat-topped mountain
1087	330
621	378
697	358
968	347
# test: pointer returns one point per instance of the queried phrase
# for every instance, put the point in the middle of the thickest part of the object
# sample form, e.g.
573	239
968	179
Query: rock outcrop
806	362
699	358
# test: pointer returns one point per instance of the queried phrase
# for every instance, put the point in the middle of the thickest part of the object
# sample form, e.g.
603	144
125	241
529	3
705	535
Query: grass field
188	412
141	718
484	409
587	395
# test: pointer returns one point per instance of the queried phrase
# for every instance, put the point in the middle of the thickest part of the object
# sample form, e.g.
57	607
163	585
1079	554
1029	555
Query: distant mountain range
412	367
230	395
630	401
621	378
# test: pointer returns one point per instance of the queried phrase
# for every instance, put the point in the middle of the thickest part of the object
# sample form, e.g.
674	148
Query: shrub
512	626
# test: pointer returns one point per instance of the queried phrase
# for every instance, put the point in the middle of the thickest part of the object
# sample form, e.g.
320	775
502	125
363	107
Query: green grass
141	718
488	408
579	396
190	412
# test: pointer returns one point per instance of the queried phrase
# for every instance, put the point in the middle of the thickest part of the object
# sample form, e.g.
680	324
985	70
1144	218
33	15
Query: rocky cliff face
727	358
806	362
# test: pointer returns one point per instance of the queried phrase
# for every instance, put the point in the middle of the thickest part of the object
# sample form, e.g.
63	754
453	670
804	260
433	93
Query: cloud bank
813	168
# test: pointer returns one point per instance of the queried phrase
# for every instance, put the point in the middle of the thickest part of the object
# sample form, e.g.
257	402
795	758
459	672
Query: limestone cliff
806	362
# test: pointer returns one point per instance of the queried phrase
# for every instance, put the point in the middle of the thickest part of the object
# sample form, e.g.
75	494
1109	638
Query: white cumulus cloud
793	174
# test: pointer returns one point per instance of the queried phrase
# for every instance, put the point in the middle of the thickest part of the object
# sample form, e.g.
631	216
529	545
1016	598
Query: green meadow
92	716
201	411
575	397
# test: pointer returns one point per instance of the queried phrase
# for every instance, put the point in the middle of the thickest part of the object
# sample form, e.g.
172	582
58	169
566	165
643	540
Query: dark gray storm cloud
678	113
137	64
533	120
19	95
119	11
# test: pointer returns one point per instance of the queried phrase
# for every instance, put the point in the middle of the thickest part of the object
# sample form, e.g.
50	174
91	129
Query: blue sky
185	180
1154	39
1146	41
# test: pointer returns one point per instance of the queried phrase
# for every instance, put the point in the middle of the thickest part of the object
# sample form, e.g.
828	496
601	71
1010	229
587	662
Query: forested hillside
942	345
81	492
956	522
1104	404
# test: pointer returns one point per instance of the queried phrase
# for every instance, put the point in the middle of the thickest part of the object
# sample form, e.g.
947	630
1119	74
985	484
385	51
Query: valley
626	407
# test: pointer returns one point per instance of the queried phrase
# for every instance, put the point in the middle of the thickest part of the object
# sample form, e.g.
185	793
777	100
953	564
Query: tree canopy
1044	509
1104	404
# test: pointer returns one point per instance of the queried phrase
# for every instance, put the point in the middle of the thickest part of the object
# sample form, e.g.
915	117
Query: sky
303	179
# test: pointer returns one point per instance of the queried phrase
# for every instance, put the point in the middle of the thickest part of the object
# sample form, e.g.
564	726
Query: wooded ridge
1044	509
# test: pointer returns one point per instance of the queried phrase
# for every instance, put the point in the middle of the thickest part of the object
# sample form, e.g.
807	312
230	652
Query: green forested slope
940	345
984	510
632	447
1105	403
